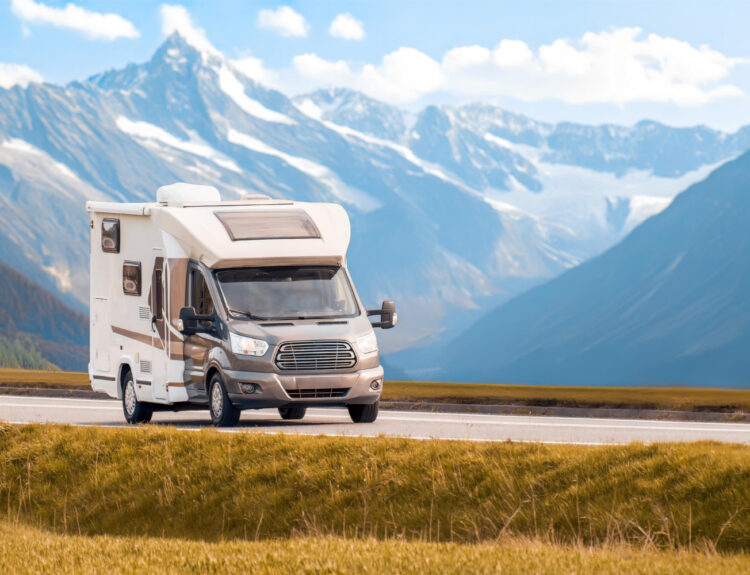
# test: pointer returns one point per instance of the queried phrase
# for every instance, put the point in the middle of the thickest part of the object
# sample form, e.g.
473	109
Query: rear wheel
292	412
135	411
363	413
223	413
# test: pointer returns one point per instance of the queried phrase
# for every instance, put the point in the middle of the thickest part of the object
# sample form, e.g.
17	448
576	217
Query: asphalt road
418	425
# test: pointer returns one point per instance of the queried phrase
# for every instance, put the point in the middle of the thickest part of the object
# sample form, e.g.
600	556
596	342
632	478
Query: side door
198	345
159	333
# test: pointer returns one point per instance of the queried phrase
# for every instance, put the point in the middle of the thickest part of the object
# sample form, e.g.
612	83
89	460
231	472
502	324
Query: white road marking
416	425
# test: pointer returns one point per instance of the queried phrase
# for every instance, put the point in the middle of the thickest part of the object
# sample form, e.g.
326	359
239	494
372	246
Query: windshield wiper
244	313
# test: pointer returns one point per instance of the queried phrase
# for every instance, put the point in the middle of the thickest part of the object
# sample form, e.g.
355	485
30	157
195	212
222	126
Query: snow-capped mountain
667	304
453	209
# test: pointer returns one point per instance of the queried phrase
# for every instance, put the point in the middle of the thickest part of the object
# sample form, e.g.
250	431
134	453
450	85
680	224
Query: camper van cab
232	305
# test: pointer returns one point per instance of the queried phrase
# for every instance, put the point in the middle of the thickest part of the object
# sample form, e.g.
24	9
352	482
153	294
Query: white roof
203	236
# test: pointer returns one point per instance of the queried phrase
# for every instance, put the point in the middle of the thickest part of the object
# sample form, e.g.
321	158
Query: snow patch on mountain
319	172
195	146
23	146
232	87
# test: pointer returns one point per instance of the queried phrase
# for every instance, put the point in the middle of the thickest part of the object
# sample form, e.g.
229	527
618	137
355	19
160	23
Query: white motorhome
233	305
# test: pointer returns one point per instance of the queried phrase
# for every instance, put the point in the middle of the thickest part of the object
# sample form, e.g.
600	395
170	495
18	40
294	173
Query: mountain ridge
643	312
449	224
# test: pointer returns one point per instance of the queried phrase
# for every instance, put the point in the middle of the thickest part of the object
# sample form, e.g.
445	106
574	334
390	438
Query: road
418	425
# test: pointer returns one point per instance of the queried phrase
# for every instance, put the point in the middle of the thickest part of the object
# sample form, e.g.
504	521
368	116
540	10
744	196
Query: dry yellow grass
43	379
672	398
32	551
209	485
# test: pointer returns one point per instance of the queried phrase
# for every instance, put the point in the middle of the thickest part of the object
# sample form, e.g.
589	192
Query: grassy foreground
26	550
207	485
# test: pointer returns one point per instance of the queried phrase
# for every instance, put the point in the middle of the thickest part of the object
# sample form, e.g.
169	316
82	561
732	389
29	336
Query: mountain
668	304
454	209
37	330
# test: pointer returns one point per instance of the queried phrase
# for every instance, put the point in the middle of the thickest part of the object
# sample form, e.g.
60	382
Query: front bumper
273	389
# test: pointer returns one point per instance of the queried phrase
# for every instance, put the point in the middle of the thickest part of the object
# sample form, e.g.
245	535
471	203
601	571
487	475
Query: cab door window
200	297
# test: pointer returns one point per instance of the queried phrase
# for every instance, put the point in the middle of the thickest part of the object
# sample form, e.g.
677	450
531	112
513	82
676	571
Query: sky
679	62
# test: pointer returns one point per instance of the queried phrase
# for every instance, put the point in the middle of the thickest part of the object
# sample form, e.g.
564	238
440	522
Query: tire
295	412
223	413
135	411
363	413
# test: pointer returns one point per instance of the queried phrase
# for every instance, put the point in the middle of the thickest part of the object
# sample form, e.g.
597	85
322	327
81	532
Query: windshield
304	292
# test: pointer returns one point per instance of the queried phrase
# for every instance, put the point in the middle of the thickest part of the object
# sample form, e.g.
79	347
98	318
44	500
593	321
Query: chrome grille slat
314	355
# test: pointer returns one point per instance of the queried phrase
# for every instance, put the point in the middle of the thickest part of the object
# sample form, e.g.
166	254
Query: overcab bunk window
111	235
131	278
268	225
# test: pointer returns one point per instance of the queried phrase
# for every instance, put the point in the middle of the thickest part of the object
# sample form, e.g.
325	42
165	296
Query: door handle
153	323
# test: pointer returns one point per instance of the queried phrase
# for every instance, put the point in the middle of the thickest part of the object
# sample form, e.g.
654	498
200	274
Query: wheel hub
130	397
217	400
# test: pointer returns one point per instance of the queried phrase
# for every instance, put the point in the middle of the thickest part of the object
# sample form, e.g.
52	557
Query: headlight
242	345
368	343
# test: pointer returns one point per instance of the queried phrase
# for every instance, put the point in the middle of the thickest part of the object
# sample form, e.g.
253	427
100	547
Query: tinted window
131	278
200	297
111	235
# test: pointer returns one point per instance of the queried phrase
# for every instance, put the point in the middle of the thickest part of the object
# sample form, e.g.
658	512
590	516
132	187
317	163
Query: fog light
376	384
249	387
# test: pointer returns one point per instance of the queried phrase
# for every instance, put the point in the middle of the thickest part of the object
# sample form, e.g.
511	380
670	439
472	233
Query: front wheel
363	413
135	411
292	412
223	413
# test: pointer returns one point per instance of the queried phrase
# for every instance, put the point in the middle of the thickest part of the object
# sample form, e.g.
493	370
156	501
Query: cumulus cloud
285	21
17	75
176	18
619	66
95	25
254	69
401	76
347	27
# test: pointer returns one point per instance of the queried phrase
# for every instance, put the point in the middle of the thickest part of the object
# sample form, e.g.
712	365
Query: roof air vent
180	193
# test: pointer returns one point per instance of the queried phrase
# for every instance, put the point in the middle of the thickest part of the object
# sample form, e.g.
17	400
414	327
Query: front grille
318	393
315	355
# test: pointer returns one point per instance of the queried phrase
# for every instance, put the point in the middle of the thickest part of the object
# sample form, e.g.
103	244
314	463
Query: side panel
121	333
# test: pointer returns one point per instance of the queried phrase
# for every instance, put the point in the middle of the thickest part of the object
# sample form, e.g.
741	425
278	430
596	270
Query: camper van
232	305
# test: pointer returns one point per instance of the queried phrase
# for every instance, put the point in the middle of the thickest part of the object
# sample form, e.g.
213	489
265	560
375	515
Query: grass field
207	485
28	550
672	398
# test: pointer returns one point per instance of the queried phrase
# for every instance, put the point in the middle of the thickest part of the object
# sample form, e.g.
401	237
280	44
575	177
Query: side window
131	278
111	235
157	289
200	298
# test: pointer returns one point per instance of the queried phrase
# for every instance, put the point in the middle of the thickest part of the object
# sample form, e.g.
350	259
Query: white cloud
313	66
95	25
464	57
176	18
347	27
512	53
284	20
17	75
254	69
402	76
616	66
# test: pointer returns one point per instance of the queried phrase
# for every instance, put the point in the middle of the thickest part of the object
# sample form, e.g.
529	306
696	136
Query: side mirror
189	322
387	313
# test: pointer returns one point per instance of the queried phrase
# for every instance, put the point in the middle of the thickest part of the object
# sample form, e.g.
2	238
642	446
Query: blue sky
678	62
